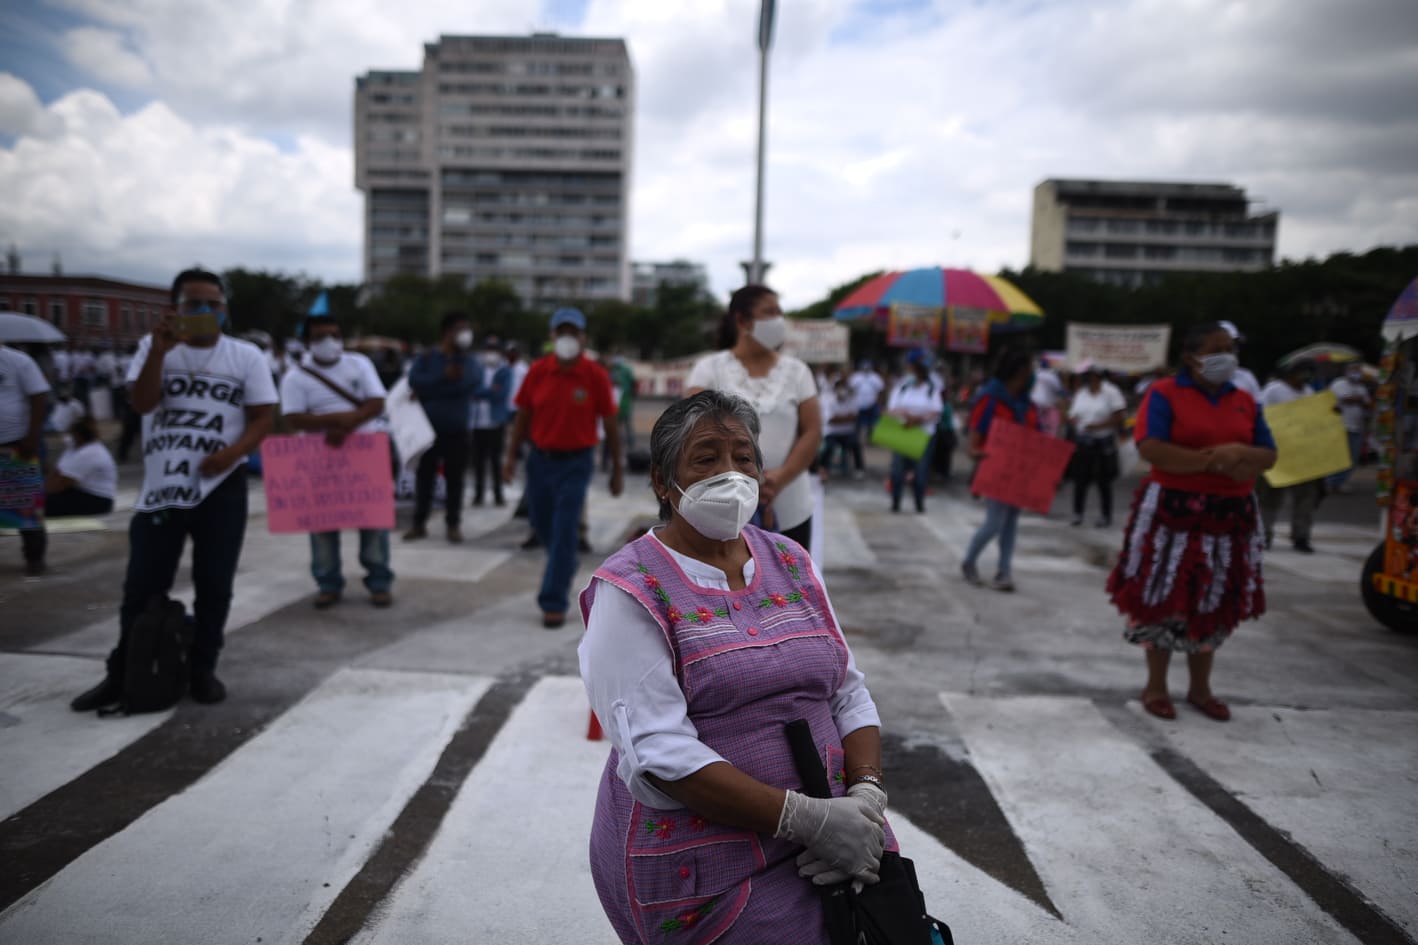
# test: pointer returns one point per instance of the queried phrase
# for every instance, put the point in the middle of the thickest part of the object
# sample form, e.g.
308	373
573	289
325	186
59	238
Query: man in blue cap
558	405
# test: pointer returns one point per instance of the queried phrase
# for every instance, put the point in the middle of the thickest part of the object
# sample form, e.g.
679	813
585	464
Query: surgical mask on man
1218	368
567	347
1355	377
464	339
492	359
770	332
327	350
719	507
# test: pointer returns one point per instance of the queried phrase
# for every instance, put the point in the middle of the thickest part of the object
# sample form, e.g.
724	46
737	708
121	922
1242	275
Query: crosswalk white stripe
510	863
1123	850
1339	782
44	743
260	846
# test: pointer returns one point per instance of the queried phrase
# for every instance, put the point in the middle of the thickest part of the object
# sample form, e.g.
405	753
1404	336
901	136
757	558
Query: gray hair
679	420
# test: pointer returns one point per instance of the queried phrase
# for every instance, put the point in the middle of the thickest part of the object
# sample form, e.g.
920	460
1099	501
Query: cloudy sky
137	136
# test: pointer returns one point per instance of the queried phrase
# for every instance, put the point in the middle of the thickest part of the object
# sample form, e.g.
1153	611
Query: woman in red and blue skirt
1190	568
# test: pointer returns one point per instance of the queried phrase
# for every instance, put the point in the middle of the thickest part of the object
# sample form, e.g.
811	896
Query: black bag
156	670
891	912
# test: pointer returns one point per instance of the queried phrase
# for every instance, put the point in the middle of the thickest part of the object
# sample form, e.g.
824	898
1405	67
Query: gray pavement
422	774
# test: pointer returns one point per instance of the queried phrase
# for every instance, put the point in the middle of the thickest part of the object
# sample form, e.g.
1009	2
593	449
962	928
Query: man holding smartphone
207	400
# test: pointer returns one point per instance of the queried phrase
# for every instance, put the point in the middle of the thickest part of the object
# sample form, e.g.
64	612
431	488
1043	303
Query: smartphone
203	325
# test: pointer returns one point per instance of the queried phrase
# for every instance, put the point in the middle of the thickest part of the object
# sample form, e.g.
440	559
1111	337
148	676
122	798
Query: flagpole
757	268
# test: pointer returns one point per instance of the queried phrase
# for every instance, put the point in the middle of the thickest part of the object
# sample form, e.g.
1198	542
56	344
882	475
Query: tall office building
1135	232
505	157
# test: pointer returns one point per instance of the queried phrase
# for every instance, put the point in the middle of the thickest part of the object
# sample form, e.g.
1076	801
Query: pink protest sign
1022	467
312	486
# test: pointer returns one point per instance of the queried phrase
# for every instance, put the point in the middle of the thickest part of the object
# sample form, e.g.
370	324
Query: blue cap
568	316
918	356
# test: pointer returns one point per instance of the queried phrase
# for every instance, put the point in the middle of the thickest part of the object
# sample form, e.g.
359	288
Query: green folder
910	442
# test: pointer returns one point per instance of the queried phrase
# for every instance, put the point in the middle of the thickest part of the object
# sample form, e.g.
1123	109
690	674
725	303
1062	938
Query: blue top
445	401
497	386
994	393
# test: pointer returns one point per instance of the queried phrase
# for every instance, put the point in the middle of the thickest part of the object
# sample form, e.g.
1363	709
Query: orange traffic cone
593	728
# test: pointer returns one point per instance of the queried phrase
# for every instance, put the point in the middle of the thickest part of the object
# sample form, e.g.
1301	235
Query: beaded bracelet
869	779
872	768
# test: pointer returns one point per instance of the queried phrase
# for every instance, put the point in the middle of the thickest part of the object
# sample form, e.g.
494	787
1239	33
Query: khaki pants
1303	498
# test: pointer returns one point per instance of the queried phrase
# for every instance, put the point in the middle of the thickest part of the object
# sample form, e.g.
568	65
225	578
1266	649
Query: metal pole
756	269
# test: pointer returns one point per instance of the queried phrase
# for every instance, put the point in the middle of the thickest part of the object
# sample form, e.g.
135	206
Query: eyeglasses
200	307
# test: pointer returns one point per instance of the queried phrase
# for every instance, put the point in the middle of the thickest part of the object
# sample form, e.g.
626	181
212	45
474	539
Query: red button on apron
738	606
684	872
753	631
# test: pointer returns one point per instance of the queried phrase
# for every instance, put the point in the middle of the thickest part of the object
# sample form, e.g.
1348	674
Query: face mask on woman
770	332
1218	368
720	506
464	339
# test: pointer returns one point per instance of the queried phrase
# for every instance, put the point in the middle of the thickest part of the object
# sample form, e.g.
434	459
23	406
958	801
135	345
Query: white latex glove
822	873
843	832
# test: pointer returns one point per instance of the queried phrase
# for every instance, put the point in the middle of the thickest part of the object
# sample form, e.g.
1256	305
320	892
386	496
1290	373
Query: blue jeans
1001	520
373	555
556	491
922	466
1356	446
866	421
155	539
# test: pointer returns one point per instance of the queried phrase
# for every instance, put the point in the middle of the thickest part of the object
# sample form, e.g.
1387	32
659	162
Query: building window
125	318
29	307
56	312
95	314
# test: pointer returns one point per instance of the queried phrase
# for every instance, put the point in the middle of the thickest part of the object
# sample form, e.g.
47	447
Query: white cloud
901	135
147	193
21	112
102	53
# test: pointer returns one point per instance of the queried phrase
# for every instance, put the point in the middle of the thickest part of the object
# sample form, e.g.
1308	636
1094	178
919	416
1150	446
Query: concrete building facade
504	157
647	277
87	309
1135	232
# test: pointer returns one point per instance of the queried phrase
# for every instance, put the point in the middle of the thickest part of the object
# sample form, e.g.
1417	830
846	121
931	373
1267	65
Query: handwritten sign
967	330
312	486
1022	467
21	491
1126	349
1310	442
816	341
413	434
913	326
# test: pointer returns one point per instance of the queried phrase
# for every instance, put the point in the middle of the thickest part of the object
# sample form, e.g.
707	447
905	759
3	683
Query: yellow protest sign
1310	440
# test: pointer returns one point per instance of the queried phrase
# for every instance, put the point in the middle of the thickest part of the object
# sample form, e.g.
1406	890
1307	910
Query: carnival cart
1390	580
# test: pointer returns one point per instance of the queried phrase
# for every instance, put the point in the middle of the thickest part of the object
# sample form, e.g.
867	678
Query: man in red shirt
558	404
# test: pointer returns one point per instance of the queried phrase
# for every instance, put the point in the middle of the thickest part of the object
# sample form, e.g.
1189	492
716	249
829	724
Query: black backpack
156	671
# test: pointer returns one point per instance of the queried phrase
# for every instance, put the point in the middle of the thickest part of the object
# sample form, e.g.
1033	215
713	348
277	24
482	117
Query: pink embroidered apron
749	661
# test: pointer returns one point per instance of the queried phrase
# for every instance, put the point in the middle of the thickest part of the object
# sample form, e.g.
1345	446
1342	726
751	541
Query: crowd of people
715	627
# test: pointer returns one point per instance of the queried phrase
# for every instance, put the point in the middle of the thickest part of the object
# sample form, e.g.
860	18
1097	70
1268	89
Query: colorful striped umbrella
1009	308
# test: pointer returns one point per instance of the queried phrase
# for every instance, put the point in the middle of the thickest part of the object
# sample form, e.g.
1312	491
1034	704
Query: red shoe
1212	708
1160	706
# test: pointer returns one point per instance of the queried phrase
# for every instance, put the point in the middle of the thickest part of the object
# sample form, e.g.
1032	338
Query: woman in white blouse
1097	415
916	403
782	389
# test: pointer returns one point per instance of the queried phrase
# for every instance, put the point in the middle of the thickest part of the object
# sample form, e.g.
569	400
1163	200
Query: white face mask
720	506
327	349
1218	368
492	359
770	332
567	347
464	339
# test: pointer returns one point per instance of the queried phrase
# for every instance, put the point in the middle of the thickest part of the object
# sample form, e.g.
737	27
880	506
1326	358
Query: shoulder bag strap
332	385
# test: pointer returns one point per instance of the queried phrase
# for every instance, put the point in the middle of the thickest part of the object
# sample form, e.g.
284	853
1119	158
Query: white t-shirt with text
1353	414
92	468
205	393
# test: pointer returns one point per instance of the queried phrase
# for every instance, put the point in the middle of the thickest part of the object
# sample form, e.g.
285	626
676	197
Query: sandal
1160	706
1212	708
